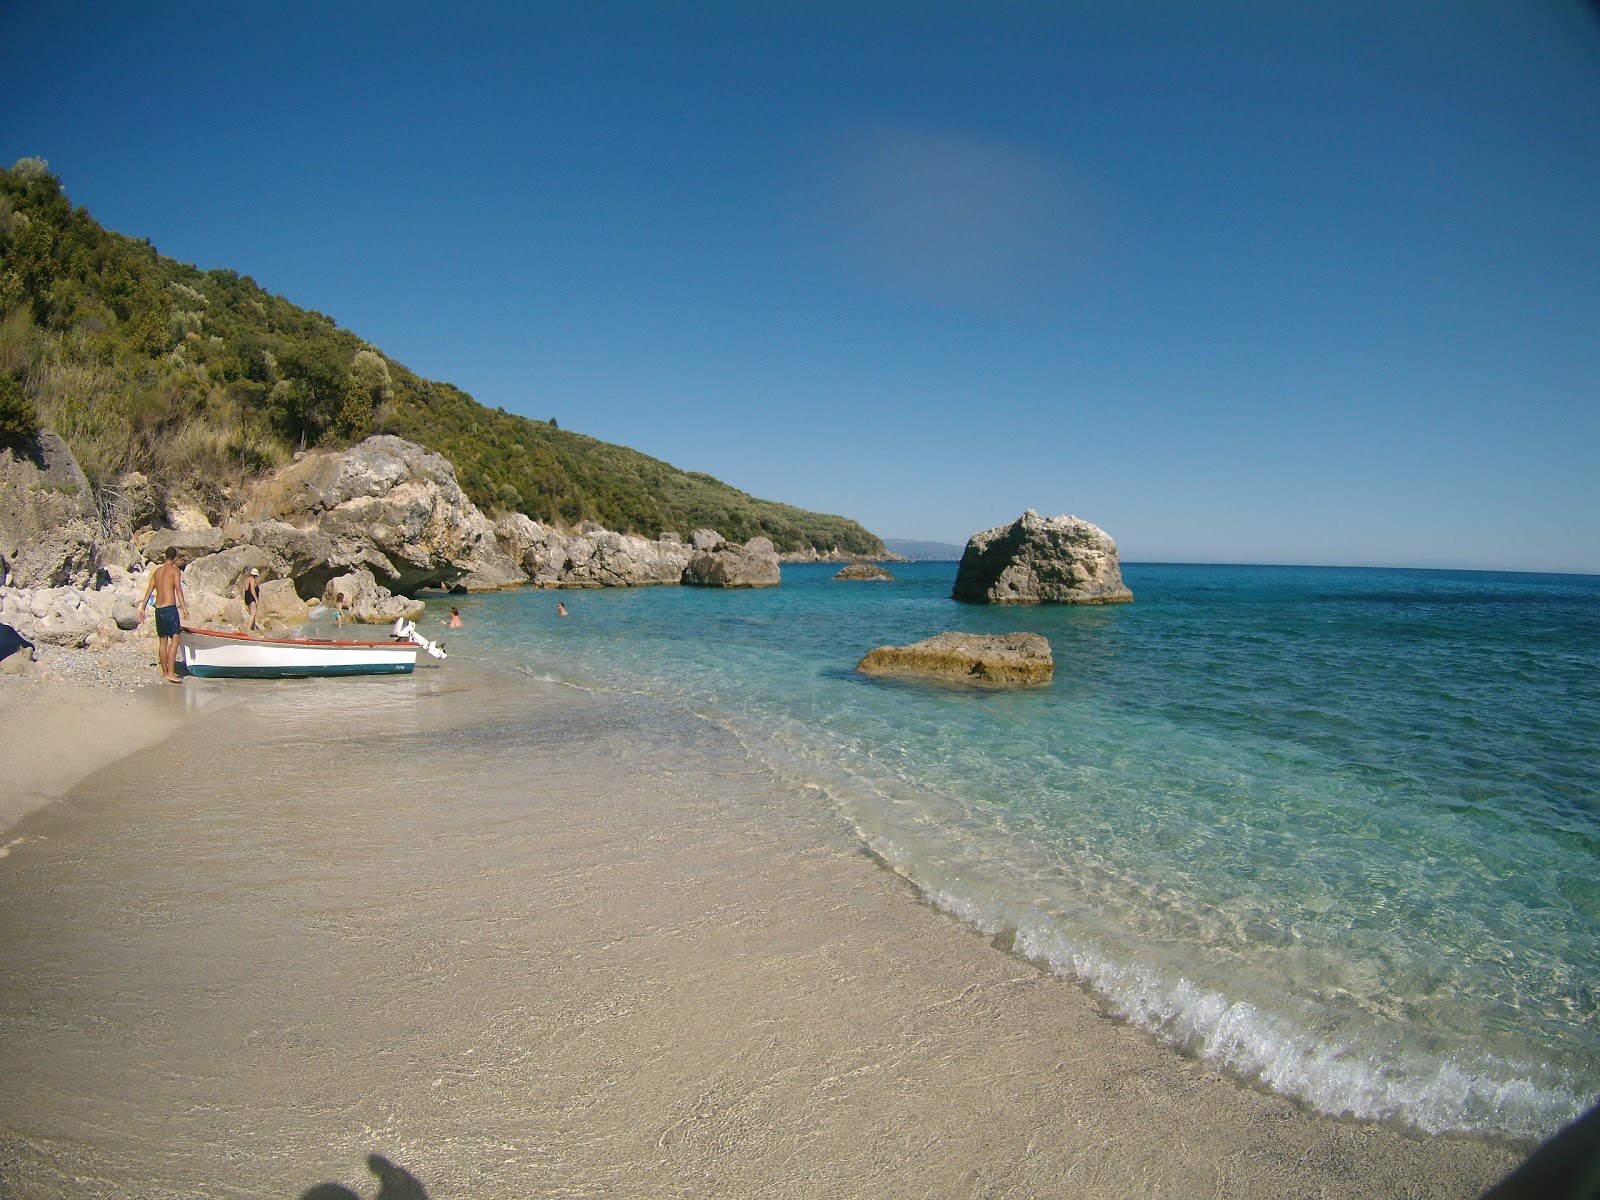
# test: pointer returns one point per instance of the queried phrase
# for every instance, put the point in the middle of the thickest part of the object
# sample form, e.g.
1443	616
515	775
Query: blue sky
1244	282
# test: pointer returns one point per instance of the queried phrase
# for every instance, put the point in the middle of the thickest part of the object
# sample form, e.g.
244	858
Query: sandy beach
521	940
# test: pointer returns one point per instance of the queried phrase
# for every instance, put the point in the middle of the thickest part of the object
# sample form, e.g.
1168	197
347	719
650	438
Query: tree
355	415
312	392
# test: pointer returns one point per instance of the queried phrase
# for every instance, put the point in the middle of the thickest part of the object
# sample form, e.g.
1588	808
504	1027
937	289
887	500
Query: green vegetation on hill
201	380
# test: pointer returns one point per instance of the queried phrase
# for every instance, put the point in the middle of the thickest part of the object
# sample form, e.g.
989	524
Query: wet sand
525	941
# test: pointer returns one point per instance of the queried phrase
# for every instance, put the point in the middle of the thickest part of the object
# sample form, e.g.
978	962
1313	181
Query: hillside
202	380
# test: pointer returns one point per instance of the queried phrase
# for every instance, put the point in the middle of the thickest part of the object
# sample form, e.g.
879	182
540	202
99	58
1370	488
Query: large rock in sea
754	564
996	660
1041	560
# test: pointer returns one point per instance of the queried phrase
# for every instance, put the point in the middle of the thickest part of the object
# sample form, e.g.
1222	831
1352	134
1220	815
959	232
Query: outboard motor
406	631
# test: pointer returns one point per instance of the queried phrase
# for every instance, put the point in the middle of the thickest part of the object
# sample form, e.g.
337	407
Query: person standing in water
455	617
166	584
561	609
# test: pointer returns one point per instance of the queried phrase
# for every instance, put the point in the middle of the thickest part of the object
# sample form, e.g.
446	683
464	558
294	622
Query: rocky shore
364	529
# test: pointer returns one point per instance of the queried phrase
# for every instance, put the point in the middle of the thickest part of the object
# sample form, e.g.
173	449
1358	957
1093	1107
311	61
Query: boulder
49	527
596	558
184	514
863	570
138	503
388	506
514	535
281	606
190	544
368	601
608	559
1003	660
221	573
297	554
493	568
754	564
544	561
64	555
1038	560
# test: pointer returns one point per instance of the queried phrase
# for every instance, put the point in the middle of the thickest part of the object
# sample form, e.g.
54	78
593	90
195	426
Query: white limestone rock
1039	560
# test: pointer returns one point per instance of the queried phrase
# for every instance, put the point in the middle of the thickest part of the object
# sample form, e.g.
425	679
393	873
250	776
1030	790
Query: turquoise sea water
1338	829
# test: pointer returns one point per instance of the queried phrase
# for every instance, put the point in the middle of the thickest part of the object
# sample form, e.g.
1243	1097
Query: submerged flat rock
997	659
863	570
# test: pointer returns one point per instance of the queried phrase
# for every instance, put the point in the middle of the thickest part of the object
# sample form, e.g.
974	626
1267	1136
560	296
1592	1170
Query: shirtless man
166	581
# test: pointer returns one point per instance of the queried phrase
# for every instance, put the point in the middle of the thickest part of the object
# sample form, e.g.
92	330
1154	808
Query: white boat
211	653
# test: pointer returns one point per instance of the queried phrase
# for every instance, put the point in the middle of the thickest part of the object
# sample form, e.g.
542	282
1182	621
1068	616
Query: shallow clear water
1337	828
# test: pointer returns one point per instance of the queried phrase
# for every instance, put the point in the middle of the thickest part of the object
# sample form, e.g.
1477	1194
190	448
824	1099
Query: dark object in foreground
12	642
1565	1167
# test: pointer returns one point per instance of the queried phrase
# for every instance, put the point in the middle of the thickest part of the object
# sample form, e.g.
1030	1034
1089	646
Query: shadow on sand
394	1183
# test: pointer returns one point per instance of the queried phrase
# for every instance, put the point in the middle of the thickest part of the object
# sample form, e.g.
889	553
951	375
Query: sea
1336	830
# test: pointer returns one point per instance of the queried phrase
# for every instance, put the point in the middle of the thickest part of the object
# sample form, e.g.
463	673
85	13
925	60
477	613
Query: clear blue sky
1249	282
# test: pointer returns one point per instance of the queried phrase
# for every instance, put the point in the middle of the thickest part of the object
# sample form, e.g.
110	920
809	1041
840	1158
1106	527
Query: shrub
19	420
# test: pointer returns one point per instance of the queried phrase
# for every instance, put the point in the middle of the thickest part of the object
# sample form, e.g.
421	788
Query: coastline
524	940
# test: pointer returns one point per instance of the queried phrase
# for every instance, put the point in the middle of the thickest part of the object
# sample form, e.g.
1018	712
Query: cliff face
1041	560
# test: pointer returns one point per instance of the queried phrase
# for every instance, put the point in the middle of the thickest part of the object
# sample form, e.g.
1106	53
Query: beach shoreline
75	712
527	940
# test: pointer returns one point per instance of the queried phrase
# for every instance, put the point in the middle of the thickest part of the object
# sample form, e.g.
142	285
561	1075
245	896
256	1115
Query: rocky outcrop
863	570
49	529
387	505
754	564
812	554
996	660
1039	560
604	558
592	557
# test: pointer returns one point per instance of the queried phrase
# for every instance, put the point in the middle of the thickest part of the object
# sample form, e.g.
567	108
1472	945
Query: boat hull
212	653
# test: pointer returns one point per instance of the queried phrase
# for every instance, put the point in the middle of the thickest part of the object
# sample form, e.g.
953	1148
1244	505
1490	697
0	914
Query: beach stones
1001	659
1041	560
863	570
